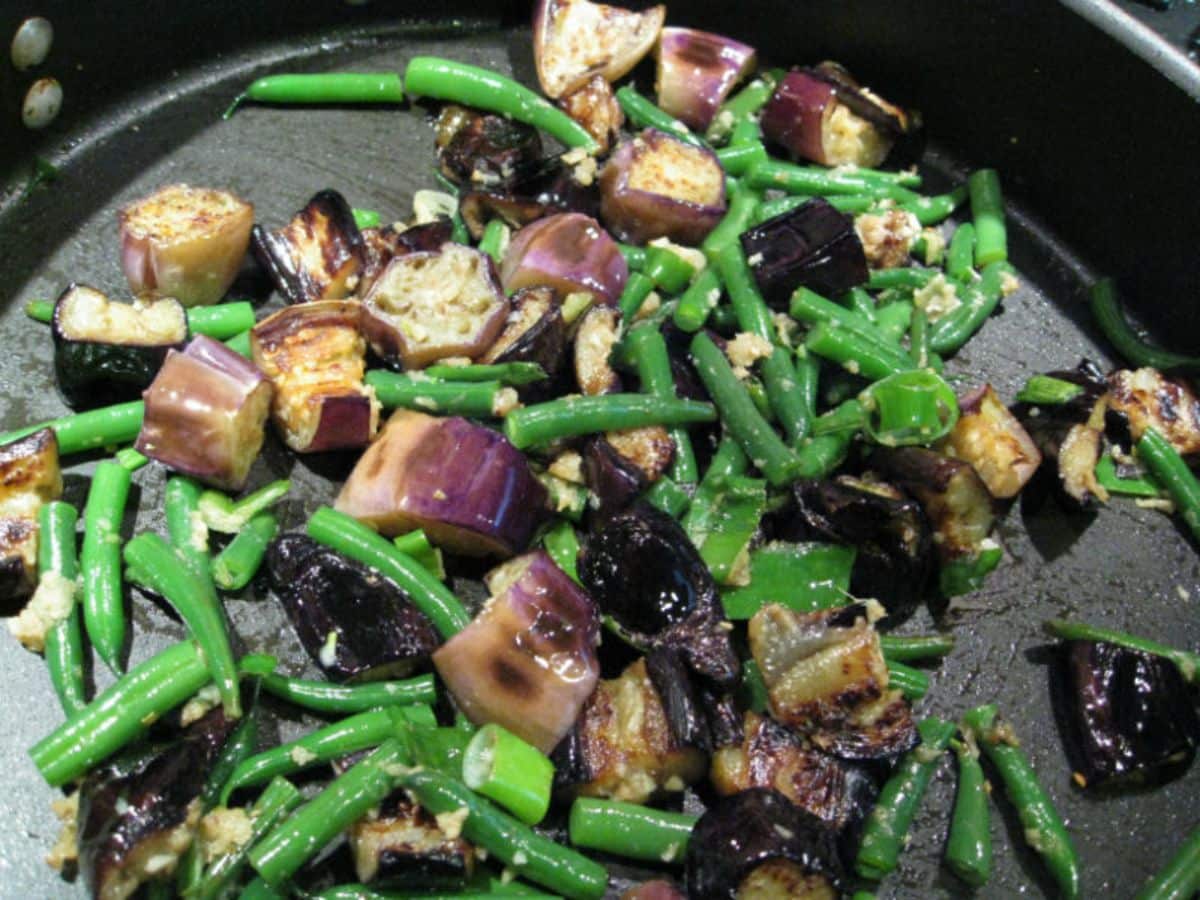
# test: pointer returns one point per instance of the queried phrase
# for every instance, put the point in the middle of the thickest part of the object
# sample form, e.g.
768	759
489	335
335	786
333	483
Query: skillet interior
1125	568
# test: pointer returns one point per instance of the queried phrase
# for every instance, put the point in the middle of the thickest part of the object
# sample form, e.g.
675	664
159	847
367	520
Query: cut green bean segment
743	202
1180	879
511	373
647	350
192	595
562	543
851	204
569	417
239	747
635	257
886	830
906	648
741	106
980	299
346	535
855	353
271	807
234	566
1045	390
738	159
912	683
913	277
969	847
847	416
222	320
820	456
723	517
860	303
933	210
666	495
57	561
669	271
109	426
100	561
121	714
630	830
324	87
444	79
40	310
495	239
960	256
801	577
967	573
1106	309
915	407
531	856
240	343
1187	663
894	319
345	699
456	398
918	339
366	218
221	513
185	526
752	313
987	211
258	889
810	307
1170	470
1143	485
1044	828
642	113
698	301
508	771
416	544
747	131
637	289
130	459
567	498
820	181
788	403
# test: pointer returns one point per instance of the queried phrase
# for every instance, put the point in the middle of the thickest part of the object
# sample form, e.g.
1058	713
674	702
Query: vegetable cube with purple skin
993	441
569	252
696	72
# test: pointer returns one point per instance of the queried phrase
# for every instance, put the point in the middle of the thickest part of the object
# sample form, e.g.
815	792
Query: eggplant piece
402	846
554	185
315	356
892	539
1147	398
656	185
318	255
534	332
992	440
595	107
465	485
569	252
1128	716
757	843
649	449
138	814
681	701
613	480
644	572
430	306
353	623
184	242
574	40
382	245
827	679
653	890
107	352
528	660
483	149
696	72
206	413
888	237
624	747
598	333
812	246
29	477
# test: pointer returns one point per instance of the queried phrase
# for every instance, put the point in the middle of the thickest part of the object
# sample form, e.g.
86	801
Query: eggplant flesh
1128	715
105	352
551	186
534	332
382	245
403	846
318	255
1147	398
993	441
29	477
138	814
483	149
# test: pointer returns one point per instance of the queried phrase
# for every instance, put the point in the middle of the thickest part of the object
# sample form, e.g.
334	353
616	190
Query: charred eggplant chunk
569	252
573	40
185	242
826	678
315	356
483	149
105	352
893	542
138	814
1148	398
595	107
595	338
382	245
355	624
403	846
429	306
812	246
206	413
643	571
318	255
613	480
465	485
552	186
1128	716
534	332
528	660
993	441
758	844
29	477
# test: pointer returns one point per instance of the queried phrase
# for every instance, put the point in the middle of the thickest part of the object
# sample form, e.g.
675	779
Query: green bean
743	202
762	445
738	159
987	211
1044	828
909	648
1045	390
532	856
933	210
508	771
238	747
810	307
857	354
698	301
192	595
130	459
366	218
648	351
185	527
637	289
746	131
741	106
325	87
860	303
108	426
1180	879
894	319
576	416
100	561
918	339
416	544
512	373
955	328
1143	485
40	310
960	258
906	277
120	714
258	889
641	113
455	398
666	495
348	536
808	376
820	181
852	204
669	271
969	847
818	457
64	641
495	239
344	699
751	310
221	513
240	560
789	404
1169	469
912	683
728	460
240	343
846	416
629	830
567	498
444	79
723	517
884	836
562	543
1187	663
1106	309
635	257
221	321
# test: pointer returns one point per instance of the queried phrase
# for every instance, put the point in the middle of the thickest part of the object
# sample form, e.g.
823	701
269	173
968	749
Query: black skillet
1098	150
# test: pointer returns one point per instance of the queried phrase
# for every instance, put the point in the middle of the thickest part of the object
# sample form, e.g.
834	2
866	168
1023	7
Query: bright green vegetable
1045	390
416	544
666	495
967	573
64	641
512	373
647	350
987	211
637	289
344	699
723	517
743	202
669	271
738	159
1142	486
562	543
576	416
325	87
219	322
698	301
108	426
913	277
130	459
742	106
507	770
454	398
915	407
220	513
100	561
855	353
910	648
980	299
185	528
969	847
1169	469
1181	877
240	560
630	830
912	683
960	256
802	577
642	113
495	239
1106	309
1187	663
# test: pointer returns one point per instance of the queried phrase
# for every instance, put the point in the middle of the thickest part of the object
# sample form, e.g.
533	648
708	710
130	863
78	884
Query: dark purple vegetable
465	485
643	571
893	543
758	844
551	186
382	245
528	660
812	246
657	186
696	72
206	413
1126	715
681	701
477	149
615	481
595	107
138	814
535	332
574	40
29	476
993	441
404	847
568	252
355	624
318	255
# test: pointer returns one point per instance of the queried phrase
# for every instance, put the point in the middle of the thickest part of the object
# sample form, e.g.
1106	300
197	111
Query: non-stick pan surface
1126	567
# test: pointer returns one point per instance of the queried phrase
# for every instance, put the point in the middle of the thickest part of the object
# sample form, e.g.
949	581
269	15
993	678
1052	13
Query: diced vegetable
318	255
569	252
696	72
29	477
574	40
992	440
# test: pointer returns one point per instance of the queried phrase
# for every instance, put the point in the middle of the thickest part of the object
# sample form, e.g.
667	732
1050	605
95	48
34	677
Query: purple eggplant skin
1126	716
355	624
812	246
143	807
696	72
480	148
738	834
544	189
318	255
642	570
382	245
614	480
569	252
894	545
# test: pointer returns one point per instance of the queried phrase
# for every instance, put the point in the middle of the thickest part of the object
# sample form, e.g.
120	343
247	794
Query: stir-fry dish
668	376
